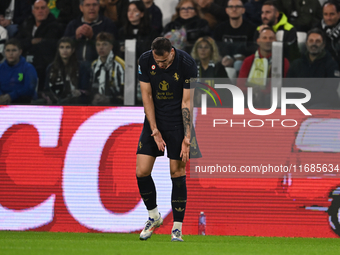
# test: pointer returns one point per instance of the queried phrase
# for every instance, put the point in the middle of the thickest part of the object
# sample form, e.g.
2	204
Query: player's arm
149	109
186	110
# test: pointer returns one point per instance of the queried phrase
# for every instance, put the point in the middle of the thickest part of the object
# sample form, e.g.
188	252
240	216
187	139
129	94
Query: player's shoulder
185	58
145	56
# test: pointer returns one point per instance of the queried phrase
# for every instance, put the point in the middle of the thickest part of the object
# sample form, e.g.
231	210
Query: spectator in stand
253	12
67	80
213	11
114	10
330	24
18	79
235	36
188	17
256	69
13	13
205	52
85	29
303	15
278	21
108	73
155	15
137	26
316	63
39	35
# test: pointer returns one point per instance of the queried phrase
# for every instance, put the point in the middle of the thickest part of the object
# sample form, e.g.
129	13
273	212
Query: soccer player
164	74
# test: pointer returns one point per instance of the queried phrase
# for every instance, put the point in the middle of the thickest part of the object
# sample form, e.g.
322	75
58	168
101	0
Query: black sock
147	191
178	197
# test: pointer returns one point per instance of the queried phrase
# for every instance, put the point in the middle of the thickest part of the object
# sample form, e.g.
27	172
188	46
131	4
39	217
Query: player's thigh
177	168
144	165
173	140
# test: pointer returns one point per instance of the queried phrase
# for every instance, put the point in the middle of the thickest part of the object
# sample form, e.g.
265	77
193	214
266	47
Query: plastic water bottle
201	224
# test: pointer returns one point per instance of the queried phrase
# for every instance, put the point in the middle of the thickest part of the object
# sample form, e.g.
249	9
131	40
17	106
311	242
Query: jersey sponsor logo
164	86
187	81
139	70
153	73
176	76
153	67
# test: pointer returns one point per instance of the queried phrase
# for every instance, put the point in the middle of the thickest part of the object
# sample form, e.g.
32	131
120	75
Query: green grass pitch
46	243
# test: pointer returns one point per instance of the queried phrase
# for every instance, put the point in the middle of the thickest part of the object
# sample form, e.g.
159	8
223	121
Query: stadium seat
301	37
279	36
232	74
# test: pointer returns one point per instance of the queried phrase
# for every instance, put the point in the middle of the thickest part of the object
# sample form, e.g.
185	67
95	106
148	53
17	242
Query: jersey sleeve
190	73
142	69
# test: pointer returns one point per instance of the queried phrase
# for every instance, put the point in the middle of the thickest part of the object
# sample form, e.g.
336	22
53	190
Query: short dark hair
332	2
272	3
105	37
69	40
81	2
161	45
15	42
317	31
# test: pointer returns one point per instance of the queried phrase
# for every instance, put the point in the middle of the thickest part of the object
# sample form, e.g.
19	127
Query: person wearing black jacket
330	25
85	29
39	35
155	15
316	63
208	61
13	13
188	16
67	80
278	21
137	26
235	36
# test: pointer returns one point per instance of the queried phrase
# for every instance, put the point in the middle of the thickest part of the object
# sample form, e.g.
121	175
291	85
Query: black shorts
173	140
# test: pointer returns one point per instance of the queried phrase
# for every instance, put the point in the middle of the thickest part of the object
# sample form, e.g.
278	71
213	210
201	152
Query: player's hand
185	150
158	139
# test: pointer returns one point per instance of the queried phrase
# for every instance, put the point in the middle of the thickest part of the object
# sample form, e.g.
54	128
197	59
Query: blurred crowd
71	52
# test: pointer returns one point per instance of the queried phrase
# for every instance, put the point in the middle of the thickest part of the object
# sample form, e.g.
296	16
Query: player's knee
142	172
177	172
